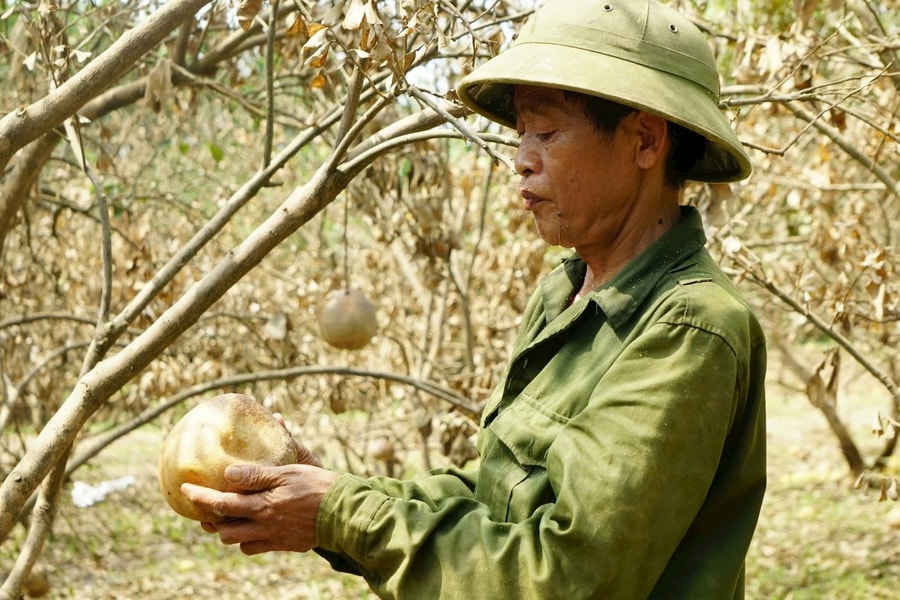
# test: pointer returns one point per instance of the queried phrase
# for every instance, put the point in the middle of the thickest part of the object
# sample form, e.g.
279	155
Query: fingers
223	504
209	527
240	531
256	537
248	481
253	478
304	456
273	508
251	548
237	531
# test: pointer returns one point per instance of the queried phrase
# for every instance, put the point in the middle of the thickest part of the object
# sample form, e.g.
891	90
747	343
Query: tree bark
19	180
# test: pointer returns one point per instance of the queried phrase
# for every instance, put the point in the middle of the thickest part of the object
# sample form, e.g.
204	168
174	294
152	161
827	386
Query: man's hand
276	511
304	456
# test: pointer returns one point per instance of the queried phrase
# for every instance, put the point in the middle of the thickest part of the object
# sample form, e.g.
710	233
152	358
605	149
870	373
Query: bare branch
370	152
237	200
869	16
24	125
750	267
95	446
847	146
270	84
14	190
41	524
461	126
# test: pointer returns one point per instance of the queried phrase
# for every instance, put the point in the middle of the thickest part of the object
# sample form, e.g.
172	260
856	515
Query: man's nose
527	161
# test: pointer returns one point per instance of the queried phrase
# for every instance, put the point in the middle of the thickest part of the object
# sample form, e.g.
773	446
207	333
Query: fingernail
234	473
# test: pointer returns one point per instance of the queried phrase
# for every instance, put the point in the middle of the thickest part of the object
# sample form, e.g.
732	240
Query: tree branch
25	125
760	278
847	146
461	126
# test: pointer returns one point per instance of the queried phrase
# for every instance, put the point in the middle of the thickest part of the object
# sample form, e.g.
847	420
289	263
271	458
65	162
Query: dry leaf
318	35
877	426
838	118
815	390
772	61
247	11
408	60
372	13
337	401
30	61
74	138
297	27
46	8
276	328
104	162
354	15
159	89
318	58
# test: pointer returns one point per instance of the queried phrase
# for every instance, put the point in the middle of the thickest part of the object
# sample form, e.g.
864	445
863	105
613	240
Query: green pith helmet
635	52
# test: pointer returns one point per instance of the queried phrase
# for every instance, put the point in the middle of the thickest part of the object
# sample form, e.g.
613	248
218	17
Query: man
622	455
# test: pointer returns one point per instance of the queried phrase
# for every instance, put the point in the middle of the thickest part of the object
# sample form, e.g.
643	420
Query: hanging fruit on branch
347	320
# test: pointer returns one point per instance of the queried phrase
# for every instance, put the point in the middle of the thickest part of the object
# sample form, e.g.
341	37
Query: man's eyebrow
534	105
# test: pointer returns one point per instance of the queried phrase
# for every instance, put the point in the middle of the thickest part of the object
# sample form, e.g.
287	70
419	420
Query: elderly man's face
579	184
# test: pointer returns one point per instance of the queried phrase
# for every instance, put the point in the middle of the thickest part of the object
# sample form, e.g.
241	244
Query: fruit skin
347	320
38	583
227	429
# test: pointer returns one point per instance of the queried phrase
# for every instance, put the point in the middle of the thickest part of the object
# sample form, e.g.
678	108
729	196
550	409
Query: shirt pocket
527	431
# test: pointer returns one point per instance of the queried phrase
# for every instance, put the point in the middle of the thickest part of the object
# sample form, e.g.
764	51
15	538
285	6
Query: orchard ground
819	538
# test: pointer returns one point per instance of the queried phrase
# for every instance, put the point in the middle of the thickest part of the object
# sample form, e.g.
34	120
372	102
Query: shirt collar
627	290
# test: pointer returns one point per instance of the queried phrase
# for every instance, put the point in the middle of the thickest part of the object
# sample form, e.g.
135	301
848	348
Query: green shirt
622	454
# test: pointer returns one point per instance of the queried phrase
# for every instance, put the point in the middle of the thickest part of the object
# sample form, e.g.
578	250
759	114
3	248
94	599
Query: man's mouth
531	200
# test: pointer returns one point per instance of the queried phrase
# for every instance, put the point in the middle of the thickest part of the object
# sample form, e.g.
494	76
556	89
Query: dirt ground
818	537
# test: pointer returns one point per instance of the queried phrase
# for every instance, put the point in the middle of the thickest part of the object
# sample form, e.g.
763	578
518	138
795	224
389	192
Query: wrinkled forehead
537	99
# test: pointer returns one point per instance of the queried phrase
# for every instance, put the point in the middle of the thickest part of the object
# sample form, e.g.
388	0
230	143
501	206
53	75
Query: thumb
251	478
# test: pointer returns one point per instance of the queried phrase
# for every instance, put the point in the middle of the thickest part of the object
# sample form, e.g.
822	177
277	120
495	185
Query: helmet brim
488	91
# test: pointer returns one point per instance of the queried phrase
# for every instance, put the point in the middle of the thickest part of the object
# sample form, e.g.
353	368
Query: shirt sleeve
629	474
439	483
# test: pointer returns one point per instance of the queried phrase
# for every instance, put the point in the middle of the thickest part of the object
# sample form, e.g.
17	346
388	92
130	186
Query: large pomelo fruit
227	429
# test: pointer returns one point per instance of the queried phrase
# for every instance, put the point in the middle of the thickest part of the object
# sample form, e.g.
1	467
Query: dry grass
819	538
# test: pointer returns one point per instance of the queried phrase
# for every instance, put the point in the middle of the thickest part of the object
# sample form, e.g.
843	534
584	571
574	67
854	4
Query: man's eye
540	135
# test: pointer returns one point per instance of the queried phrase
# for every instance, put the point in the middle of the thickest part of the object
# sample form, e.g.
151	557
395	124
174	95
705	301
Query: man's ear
652	140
